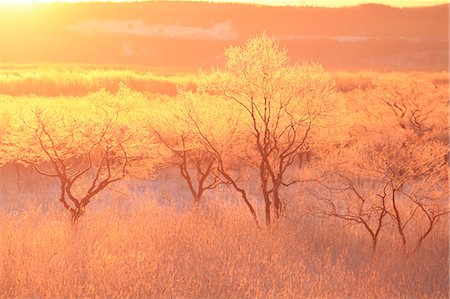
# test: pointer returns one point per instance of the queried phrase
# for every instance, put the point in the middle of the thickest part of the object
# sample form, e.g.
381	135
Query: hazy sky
338	3
333	3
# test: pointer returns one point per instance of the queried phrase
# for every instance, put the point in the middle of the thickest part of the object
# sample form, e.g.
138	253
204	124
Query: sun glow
326	3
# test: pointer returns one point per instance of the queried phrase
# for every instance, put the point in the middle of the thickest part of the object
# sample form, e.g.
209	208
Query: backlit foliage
349	171
85	145
282	105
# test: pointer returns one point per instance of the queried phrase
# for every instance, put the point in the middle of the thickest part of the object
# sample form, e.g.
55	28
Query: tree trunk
398	220
276	200
197	198
265	192
374	245
76	214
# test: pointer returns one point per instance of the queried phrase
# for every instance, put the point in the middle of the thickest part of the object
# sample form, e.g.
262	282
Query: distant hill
194	34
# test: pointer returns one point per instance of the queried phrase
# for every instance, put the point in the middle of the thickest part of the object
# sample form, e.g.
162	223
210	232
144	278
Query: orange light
327	3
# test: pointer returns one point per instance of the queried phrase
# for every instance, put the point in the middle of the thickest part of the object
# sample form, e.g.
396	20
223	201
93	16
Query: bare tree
85	155
196	164
218	129
282	104
387	181
352	203
416	106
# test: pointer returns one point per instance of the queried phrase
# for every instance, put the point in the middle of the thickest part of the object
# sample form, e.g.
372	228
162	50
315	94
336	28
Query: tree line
377	163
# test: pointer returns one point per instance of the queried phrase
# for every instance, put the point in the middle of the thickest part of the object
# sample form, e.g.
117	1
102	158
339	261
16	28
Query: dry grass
73	80
76	80
347	81
156	251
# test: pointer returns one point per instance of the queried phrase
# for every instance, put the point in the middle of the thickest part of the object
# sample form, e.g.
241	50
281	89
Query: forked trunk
76	214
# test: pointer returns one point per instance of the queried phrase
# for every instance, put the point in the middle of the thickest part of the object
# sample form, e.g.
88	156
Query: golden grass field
217	252
78	80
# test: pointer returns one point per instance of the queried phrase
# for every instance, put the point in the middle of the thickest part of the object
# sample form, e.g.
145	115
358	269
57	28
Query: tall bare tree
283	106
